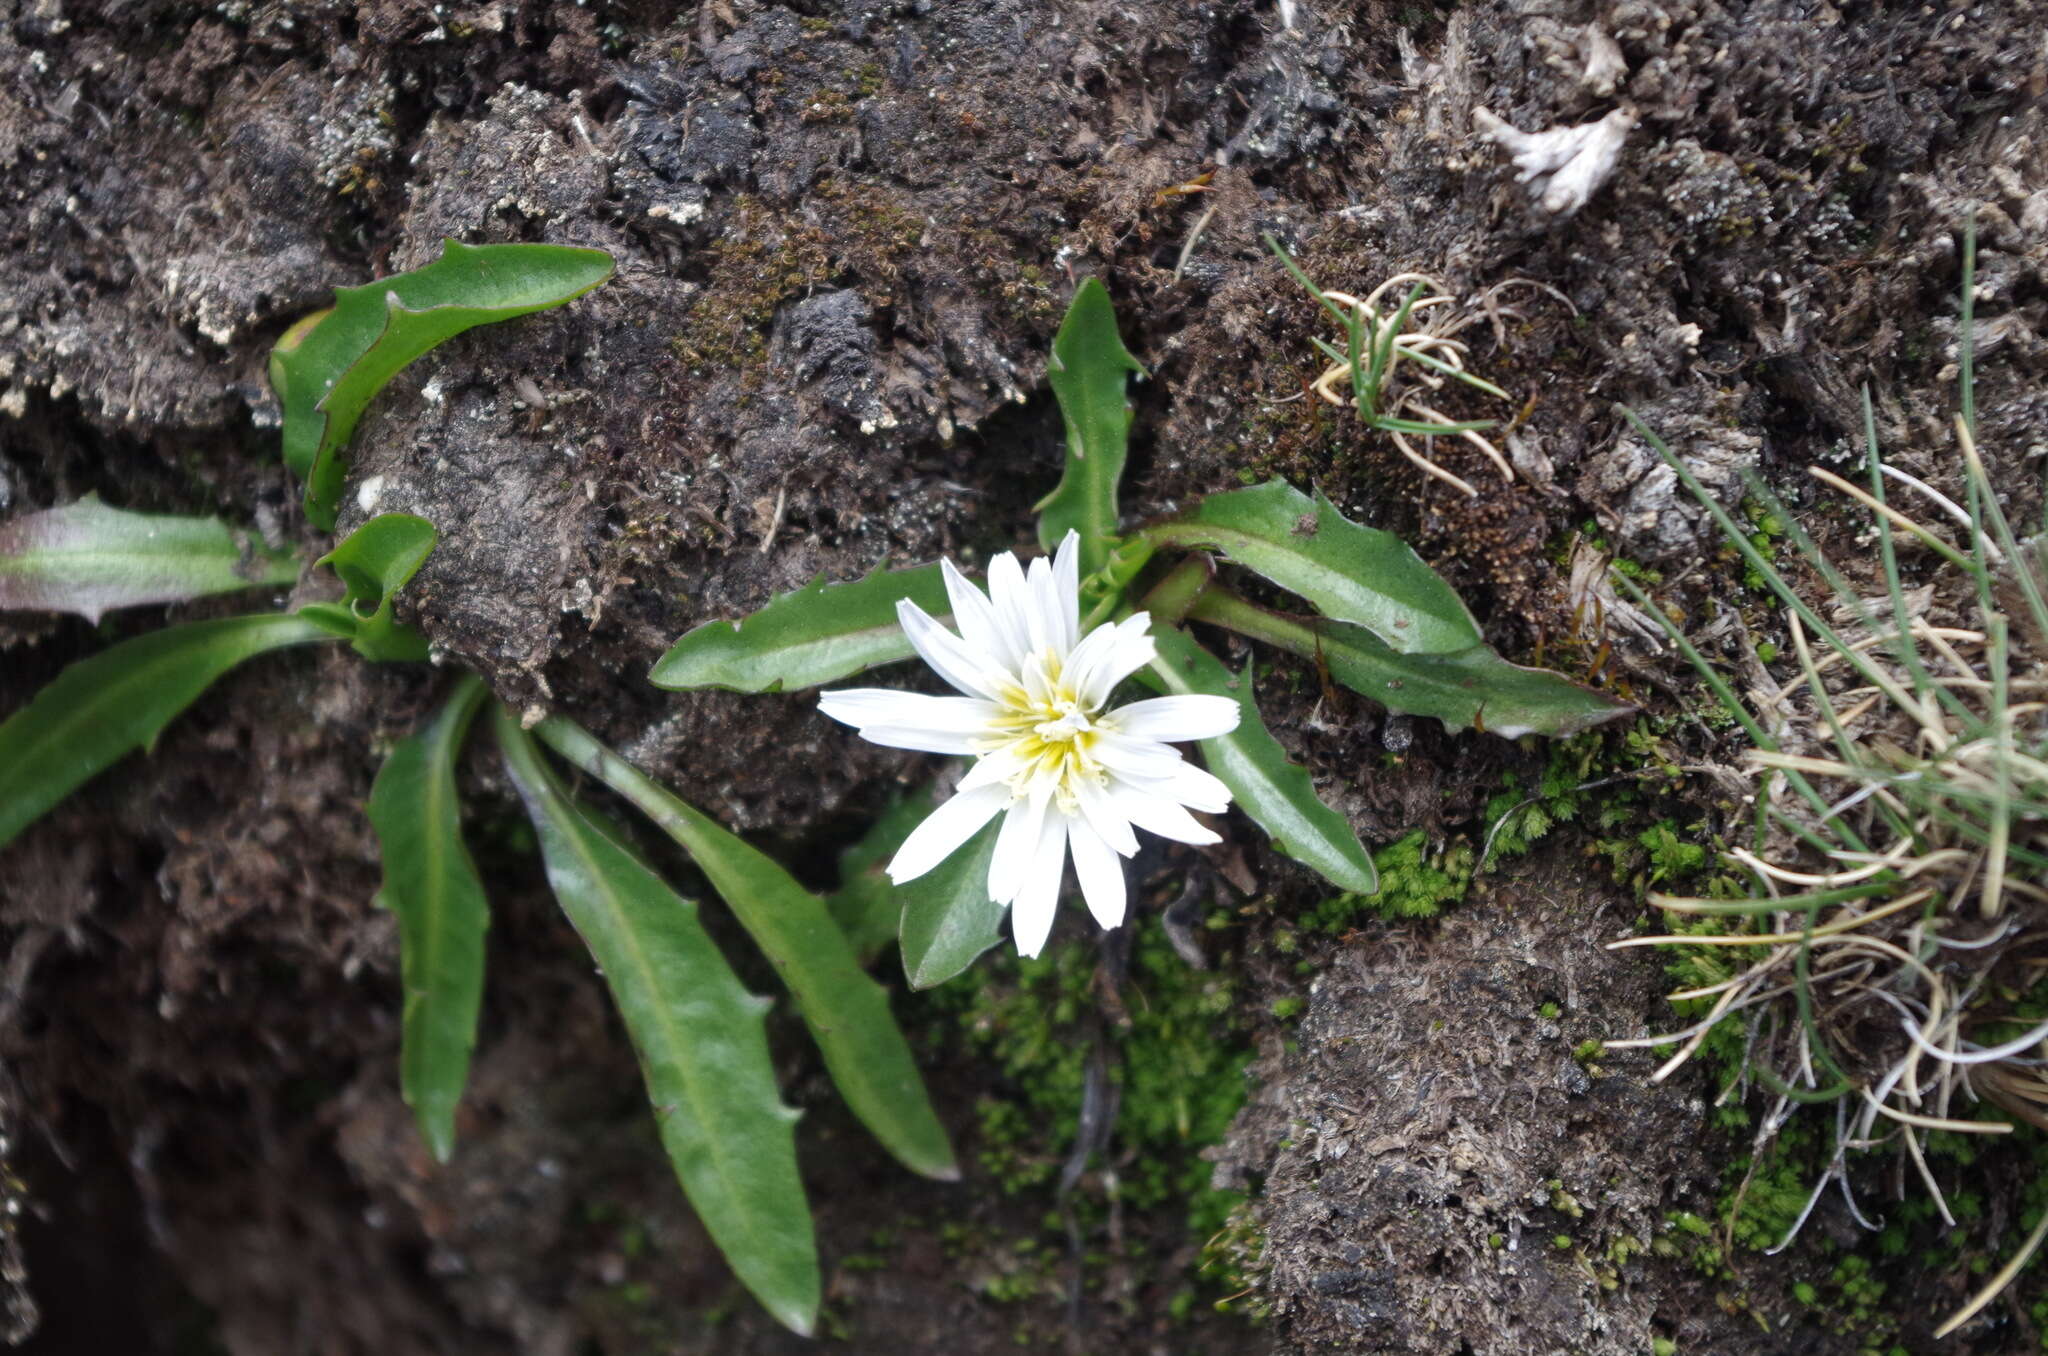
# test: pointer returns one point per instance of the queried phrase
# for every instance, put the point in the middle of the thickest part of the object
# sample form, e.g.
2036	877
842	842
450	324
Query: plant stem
1170	600
1102	592
1220	607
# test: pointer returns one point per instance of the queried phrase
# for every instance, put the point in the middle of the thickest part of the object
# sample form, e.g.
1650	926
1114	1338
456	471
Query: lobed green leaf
374	562
1345	571
1473	688
808	636
1469	688
1274	792
948	917
328	367
121	699
701	1039
432	886
88	557
847	1012
1088	372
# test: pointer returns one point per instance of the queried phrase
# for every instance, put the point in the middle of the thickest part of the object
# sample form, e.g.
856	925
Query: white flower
1063	771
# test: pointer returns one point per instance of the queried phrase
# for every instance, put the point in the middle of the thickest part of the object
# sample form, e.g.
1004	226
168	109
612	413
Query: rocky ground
846	230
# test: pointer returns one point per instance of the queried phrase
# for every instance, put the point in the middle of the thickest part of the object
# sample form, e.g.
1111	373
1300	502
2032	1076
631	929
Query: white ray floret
1067	773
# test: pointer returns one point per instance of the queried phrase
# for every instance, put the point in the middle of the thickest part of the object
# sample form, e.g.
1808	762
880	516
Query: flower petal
975	616
994	768
920	739
1174	719
945	652
1066	573
1102	816
1126	756
1083	659
856	706
1039	895
1130	648
1048	617
1010	596
1101	873
943	831
1035	682
1014	847
864	706
1156	814
1188	785
1198	790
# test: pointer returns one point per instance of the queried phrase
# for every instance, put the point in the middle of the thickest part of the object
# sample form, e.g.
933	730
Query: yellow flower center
1048	732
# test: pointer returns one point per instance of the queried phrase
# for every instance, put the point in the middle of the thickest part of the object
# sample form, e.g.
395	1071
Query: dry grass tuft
1897	923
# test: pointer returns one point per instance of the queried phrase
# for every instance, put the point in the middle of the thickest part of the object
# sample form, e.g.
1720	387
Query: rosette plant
701	1037
1060	769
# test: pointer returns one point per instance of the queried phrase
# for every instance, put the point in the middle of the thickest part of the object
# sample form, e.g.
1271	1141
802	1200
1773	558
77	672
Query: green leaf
808	636
375	561
1276	793
431	884
121	699
1347	572
847	1012
701	1040
1088	371
866	904
87	557
1473	687
328	367
948	917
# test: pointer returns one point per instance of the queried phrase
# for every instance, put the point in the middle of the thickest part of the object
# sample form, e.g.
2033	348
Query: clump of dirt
1447	1163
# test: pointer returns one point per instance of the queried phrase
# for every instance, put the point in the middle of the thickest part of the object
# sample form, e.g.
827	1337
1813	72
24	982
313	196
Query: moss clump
1764	1195
1577	785
760	261
877	231
1232	1259
1415	882
829	105
1180	1075
1662	854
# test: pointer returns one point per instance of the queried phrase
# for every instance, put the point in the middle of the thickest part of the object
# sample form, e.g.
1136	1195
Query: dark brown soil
846	230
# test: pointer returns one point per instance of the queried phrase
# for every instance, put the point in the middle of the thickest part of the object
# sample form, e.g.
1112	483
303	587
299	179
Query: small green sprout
121	699
1422	330
88	558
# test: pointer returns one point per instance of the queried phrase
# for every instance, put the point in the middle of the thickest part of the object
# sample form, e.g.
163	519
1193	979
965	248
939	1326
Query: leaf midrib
440	803
1328	578
249	648
671	1035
